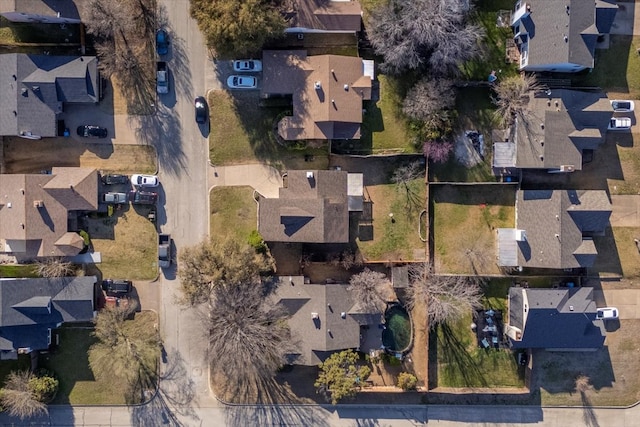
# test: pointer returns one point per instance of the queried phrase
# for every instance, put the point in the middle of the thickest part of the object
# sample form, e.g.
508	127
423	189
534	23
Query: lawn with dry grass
464	222
128	243
617	253
394	238
29	156
232	205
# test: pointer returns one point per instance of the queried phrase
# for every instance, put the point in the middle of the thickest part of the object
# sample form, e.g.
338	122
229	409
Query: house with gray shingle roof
324	318
560	35
555	130
312	207
40	11
324	16
36	209
31	308
35	88
554	229
562	319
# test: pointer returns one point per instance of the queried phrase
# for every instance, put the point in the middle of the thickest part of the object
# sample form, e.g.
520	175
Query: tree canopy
237	28
340	376
368	288
23	395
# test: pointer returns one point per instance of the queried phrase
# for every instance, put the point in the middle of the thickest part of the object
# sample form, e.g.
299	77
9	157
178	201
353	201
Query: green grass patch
464	220
397	239
18	32
461	363
617	69
13	270
233	205
243	132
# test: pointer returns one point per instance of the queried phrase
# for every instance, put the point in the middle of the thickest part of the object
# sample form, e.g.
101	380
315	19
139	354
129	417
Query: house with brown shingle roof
324	16
312	207
326	90
35	210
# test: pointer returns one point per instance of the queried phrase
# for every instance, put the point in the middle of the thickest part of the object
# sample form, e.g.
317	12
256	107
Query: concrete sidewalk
625	211
266	180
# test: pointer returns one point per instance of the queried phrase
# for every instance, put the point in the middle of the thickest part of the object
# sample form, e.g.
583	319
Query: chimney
309	175
315	315
38	204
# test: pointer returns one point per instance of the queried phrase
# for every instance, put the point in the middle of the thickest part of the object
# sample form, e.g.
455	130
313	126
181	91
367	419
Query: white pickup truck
162	77
164	250
115	198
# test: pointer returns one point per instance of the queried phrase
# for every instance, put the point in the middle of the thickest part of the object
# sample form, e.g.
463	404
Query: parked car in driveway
162	42
144	198
117	287
622	106
619	123
202	110
162	77
605	313
116	198
89	131
139	180
247	65
113	179
242	82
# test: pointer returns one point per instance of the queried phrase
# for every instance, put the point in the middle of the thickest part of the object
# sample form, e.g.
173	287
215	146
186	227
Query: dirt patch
34	156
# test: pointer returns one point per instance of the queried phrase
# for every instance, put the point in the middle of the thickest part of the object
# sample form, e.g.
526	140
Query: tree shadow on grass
457	360
588	414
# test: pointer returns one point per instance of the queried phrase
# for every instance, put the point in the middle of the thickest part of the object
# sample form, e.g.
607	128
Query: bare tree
431	35
54	267
407	181
447	298
427	97
248	336
512	97
370	290
19	399
437	151
214	263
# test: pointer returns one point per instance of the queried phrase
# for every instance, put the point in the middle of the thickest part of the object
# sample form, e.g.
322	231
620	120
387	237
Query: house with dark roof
40	11
312	207
35	88
324	318
560	35
31	308
324	16
554	132
36	210
562	319
327	92
554	229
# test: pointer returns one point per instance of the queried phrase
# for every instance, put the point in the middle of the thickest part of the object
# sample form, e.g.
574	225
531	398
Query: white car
242	82
247	65
607	313
622	106
139	180
619	123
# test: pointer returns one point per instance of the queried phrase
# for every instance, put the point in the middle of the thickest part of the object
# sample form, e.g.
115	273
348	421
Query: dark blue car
162	42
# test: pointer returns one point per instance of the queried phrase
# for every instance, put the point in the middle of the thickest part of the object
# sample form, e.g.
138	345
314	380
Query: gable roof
29	307
556	127
35	87
556	226
40	10
330	331
35	208
565	31
327	93
554	319
325	15
312	210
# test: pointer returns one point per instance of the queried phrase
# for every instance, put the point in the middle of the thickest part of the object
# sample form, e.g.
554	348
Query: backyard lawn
13	270
394	238
232	205
70	363
242	132
464	223
617	253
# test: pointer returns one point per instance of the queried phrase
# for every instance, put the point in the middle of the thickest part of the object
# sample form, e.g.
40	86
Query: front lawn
394	237
13	270
242	132
70	363
232	205
464	222
617	253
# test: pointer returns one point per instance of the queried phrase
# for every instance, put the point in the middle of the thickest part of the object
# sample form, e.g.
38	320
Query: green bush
257	242
44	387
407	381
85	237
110	210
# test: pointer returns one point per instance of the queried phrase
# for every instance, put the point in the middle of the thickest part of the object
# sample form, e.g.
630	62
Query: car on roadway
143	197
114	198
90	131
619	123
202	110
242	82
622	106
606	313
117	287
162	42
113	179
139	180
247	65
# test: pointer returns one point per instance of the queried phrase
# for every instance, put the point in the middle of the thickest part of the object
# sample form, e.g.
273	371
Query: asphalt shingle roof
326	15
66	8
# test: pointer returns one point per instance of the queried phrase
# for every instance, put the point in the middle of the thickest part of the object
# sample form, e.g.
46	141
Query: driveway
627	20
625	211
627	301
265	179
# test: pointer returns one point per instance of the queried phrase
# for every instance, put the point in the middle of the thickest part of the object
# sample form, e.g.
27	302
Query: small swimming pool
397	334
